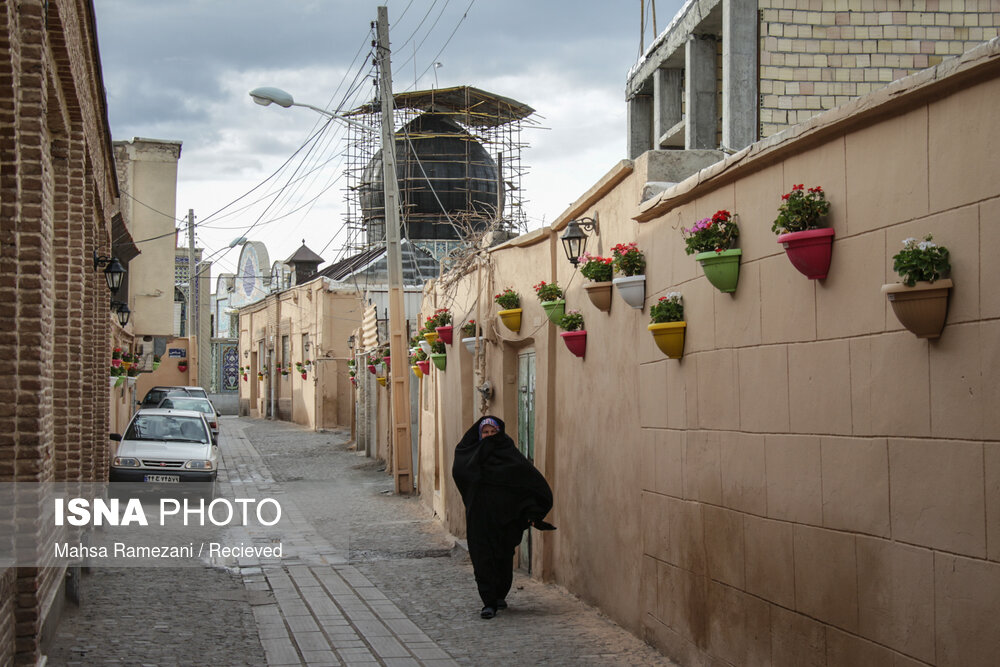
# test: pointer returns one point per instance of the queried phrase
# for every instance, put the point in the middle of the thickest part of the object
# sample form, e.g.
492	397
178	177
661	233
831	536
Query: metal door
526	431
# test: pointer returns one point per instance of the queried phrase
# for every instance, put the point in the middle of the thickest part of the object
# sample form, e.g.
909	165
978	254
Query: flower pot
632	289
809	251
440	360
116	362
181	368
304	376
119	381
669	337
156	365
470	344
372	369
260	377
431	336
922	308
126	365
576	341
425	346
244	377
416	370
424	366
511	318
600	294
354	382
112	380
444	333
554	309
381	381
721	268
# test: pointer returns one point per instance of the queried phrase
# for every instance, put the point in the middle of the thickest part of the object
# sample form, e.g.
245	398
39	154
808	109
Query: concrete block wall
57	195
818	54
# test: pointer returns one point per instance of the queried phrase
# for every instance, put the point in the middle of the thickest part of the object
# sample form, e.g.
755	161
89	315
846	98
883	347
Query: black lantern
122	310
113	271
574	239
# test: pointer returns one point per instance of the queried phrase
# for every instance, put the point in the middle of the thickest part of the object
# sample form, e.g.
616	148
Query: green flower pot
440	360
721	268
555	310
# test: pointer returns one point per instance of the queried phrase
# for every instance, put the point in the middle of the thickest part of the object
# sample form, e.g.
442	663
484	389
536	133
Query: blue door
526	432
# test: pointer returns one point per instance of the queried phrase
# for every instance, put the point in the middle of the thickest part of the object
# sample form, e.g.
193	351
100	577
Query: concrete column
699	95
739	73
668	88
640	125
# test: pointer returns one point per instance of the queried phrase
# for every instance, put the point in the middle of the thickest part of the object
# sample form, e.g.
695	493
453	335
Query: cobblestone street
372	578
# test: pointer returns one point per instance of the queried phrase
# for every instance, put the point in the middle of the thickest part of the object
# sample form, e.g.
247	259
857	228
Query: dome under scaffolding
458	161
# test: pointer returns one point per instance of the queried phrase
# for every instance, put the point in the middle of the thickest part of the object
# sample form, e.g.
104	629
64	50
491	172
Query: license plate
162	478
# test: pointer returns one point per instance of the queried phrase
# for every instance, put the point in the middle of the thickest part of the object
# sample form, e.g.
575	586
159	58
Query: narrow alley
395	589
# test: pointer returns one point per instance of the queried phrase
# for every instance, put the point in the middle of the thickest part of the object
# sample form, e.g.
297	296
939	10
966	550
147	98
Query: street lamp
574	239
267	95
113	273
122	310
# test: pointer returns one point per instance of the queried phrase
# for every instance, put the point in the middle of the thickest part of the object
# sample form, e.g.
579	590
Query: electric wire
447	42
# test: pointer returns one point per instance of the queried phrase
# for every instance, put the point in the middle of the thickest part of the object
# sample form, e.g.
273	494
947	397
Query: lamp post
400	394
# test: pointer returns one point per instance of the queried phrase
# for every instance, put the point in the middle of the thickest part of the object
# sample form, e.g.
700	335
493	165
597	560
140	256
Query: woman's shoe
488	612
501	604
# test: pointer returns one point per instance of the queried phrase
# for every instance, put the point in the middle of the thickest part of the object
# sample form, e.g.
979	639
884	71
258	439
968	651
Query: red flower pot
809	251
425	366
182	368
116	362
371	369
576	341
303	376
385	360
444	333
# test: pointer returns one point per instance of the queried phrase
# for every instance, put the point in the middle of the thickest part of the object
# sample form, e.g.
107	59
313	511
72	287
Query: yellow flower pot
669	337
511	319
431	336
416	371
381	381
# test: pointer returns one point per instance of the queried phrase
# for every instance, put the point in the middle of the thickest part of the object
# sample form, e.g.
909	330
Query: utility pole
402	460
189	324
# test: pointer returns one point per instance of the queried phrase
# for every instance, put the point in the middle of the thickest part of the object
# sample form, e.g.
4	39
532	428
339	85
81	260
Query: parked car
157	394
202	405
165	446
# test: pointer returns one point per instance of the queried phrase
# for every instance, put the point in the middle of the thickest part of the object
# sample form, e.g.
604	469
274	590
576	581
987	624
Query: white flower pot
632	290
470	344
426	347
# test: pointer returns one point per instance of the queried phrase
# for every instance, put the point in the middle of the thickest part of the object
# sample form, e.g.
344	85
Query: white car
202	405
165	446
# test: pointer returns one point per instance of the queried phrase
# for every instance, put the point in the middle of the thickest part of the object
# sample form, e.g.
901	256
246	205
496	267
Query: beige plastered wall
323	399
811	483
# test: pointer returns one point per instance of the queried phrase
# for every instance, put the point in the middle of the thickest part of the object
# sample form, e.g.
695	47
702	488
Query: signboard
177	352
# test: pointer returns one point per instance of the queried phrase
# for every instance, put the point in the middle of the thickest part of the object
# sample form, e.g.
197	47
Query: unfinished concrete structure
725	73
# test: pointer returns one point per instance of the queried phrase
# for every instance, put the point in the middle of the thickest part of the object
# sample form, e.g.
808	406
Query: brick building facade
725	73
57	195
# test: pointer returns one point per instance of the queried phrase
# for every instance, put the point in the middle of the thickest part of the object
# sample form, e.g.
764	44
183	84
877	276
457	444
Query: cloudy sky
181	70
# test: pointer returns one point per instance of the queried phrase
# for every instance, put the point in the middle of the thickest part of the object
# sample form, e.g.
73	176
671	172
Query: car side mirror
116	437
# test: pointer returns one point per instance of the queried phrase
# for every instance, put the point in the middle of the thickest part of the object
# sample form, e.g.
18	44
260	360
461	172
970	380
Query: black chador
503	494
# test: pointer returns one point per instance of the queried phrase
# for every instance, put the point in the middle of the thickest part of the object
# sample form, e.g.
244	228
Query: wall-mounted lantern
113	272
574	239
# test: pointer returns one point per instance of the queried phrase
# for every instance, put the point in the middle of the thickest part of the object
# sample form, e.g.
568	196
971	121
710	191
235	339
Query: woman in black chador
503	494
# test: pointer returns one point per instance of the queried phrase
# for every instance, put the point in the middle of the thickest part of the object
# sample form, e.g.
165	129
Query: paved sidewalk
394	588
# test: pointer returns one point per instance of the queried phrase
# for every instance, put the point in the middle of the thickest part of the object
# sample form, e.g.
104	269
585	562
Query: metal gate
225	365
526	431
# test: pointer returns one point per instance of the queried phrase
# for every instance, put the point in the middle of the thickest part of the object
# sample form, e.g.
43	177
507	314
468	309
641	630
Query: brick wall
818	54
57	195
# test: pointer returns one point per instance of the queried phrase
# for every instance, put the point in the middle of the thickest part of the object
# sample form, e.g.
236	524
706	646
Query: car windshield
167	428
179	403
199	392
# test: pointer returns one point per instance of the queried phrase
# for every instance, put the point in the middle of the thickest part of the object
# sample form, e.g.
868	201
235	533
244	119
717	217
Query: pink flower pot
444	333
371	369
809	251
576	341
116	362
425	366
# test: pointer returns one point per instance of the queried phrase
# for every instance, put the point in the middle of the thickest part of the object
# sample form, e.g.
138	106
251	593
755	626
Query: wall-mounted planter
119	381
809	251
386	361
430	336
416	370
440	360
444	333
669	337
470	344
381	381
113	380
600	294
922	308
424	366
576	341
511	318
372	369
721	268
632	289
555	310
425	346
